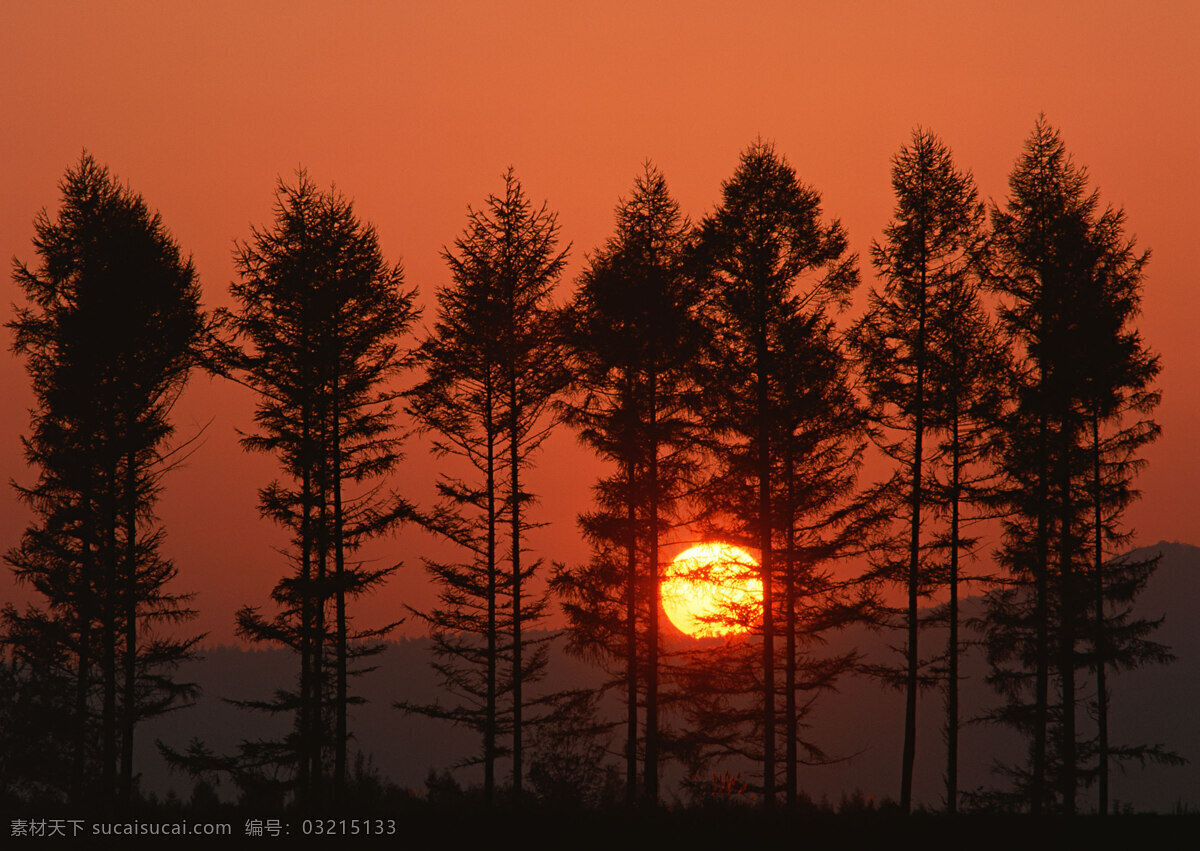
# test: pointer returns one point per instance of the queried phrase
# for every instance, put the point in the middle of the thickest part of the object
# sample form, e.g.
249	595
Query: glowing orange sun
711	590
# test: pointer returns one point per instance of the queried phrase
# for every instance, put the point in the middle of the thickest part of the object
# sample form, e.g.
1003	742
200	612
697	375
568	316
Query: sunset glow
381	378
711	590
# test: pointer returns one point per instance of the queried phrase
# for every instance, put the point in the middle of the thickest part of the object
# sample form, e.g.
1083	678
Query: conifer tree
969	385
1118	404
321	316
1038	239
634	334
819	435
494	365
112	329
769	265
1070	283
929	363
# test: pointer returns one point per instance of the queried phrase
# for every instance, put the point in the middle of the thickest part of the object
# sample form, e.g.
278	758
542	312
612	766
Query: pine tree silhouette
634	335
320	320
933	372
494	366
112	329
772	271
1069	282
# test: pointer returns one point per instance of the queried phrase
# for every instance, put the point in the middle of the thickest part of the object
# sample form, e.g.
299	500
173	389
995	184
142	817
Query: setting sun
711	590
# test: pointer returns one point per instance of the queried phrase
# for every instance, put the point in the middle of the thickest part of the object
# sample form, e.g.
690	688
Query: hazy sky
415	110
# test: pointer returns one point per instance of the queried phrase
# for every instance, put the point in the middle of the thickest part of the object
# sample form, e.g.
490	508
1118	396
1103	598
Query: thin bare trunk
952	648
631	693
84	652
489	721
651	778
110	601
307	692
1101	645
789	705
322	581
764	543
1041	616
341	726
515	497
914	553
1066	659
129	701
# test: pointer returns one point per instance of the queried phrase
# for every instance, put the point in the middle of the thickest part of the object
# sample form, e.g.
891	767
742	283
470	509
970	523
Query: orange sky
414	110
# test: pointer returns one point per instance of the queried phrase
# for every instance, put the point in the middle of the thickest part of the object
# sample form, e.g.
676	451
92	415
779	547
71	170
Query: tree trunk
1037	789
78	793
764	543
320	597
129	707
341	729
653	605
952	648
110	601
789	661
489	721
1066	659
914	553
1101	644
306	710
631	695
515	497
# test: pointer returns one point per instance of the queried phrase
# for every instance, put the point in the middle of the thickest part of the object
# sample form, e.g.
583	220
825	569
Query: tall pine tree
1118	403
634	334
112	329
928	364
769	264
320	321
494	366
1070	283
969	390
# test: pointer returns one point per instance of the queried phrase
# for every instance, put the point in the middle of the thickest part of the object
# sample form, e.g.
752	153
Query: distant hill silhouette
862	721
